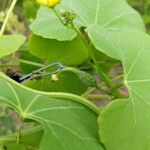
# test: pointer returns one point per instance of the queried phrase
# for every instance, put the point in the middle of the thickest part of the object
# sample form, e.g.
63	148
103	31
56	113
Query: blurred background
143	7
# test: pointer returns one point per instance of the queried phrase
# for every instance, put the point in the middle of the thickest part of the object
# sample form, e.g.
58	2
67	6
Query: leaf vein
114	19
97	11
16	96
135	61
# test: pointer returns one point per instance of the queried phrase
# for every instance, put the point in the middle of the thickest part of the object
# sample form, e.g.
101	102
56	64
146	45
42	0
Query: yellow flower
48	3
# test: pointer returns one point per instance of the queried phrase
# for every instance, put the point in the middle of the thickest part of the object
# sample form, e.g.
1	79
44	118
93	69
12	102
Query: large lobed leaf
124	124
110	14
67	52
69	122
116	29
49	26
102	16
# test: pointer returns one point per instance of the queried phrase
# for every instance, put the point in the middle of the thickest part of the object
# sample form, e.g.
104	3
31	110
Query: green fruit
86	78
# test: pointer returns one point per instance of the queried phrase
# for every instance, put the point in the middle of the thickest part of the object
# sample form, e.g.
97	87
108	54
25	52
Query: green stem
58	16
91	90
30	63
21	61
117	86
99	97
105	78
7	17
98	68
98	87
16	60
118	77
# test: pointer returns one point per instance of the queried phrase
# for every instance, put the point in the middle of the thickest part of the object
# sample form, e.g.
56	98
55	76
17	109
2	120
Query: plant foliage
61	118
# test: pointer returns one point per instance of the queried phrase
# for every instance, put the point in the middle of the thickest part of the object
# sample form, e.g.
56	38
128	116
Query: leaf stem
91	90
30	63
7	17
58	16
99	97
105	78
117	86
16	60
98	68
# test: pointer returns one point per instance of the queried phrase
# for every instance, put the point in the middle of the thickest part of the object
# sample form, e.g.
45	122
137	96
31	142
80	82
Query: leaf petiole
99	97
105	78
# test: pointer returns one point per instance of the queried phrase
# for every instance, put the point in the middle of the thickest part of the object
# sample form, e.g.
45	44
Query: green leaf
107	15
110	14
69	121
117	39
69	53
124	124
49	26
124	17
67	82
102	16
29	62
10	43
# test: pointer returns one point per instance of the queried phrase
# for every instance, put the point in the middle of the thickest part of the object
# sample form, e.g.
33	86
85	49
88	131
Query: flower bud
68	17
48	3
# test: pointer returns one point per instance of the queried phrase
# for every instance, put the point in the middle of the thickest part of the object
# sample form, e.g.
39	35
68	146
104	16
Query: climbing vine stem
105	78
7	17
58	15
